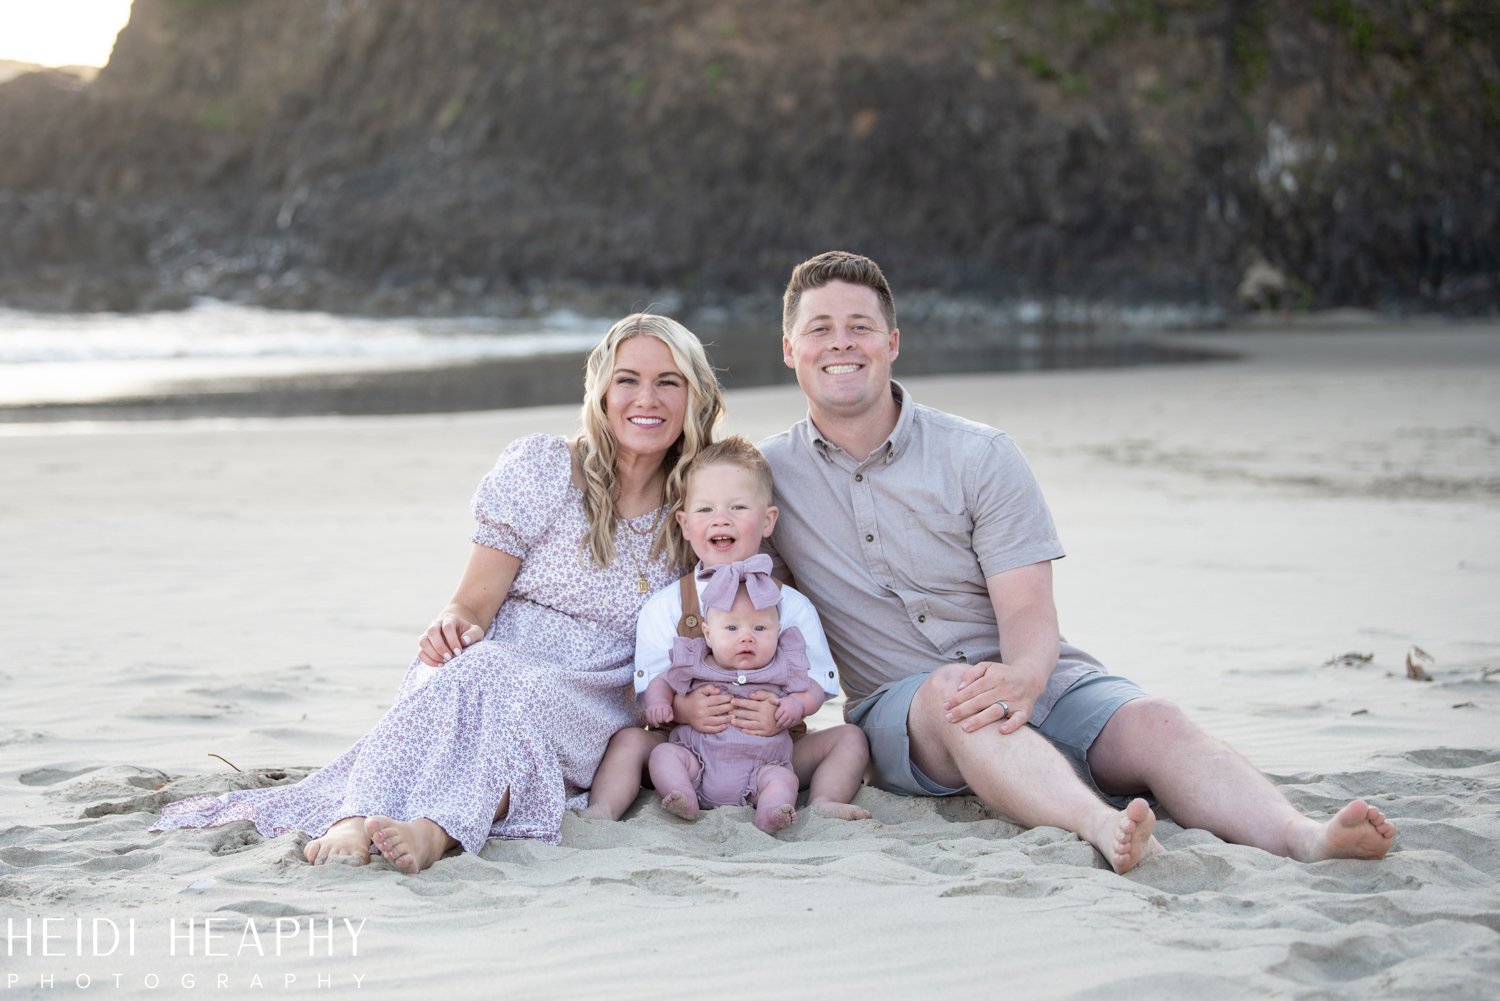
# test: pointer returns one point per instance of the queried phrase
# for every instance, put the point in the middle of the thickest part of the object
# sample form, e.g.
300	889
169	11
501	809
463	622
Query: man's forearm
1029	638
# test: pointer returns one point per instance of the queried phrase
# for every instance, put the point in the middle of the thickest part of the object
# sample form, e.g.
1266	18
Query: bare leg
345	841
1150	744
617	782
832	764
674	772
1022	776
409	845
775	798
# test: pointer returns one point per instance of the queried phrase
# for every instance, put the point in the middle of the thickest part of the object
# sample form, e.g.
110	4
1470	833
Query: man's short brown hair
835	266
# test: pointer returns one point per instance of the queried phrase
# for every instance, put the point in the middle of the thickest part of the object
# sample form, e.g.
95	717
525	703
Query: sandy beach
1263	540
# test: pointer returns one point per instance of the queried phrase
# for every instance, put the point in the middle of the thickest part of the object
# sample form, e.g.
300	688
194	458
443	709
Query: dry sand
252	589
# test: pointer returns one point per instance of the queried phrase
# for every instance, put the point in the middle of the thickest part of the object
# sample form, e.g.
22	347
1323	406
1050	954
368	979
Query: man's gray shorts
1072	726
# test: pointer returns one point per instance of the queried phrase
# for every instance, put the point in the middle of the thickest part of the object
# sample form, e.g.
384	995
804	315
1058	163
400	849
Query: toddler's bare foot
1357	831
839	811
345	842
775	818
409	845
680	805
1130	840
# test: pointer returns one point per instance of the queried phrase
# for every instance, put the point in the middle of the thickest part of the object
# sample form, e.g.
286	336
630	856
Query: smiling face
741	637
841	348
726	512
647	398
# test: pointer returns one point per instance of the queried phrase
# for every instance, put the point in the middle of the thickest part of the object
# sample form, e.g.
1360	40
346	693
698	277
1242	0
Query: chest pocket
940	548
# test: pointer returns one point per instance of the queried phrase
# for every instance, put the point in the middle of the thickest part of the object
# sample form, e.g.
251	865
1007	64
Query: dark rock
411	156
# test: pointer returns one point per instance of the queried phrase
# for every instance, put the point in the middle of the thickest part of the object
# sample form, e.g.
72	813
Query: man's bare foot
345	842
409	845
1128	838
775	818
1359	830
839	811
680	805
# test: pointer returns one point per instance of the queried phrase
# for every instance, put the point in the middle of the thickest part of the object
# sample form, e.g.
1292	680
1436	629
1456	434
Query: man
927	547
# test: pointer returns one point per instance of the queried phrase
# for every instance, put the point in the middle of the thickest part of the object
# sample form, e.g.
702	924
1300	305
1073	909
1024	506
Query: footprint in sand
52	776
1452	757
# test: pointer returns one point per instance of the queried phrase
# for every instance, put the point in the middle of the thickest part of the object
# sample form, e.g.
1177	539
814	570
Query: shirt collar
887	452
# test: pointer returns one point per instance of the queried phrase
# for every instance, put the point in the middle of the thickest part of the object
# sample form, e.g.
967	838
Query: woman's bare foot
345	842
1359	830
834	810
775	818
409	845
680	805
1127	839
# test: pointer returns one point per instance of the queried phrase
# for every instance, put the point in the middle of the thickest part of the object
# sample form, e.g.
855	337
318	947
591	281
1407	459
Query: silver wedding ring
1004	708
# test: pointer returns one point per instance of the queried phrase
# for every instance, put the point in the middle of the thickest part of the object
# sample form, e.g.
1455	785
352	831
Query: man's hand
705	709
758	714
988	683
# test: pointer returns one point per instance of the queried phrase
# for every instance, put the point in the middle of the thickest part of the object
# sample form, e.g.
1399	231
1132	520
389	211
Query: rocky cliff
495	154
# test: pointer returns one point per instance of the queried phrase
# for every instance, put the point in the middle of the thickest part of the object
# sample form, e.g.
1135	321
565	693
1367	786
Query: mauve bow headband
724	580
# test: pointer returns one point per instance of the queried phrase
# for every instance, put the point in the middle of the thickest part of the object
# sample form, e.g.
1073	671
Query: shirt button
830	674
640	674
740	680
921	618
869	538
859	477
959	655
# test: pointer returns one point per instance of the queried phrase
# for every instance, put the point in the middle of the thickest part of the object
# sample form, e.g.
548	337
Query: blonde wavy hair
596	444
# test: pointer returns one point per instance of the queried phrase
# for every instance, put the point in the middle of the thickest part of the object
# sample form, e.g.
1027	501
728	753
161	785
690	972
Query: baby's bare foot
775	818
680	805
409	845
839	811
345	842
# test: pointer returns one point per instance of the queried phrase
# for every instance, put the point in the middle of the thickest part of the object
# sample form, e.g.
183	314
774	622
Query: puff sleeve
518	499
687	654
794	648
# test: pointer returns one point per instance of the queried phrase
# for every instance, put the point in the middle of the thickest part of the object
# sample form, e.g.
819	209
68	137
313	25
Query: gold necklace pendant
642	585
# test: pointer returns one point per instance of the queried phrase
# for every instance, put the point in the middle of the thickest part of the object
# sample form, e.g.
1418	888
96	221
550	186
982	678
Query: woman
524	676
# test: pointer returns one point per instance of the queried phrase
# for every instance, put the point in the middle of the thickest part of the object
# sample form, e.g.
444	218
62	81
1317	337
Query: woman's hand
447	637
758	714
464	620
988	683
705	709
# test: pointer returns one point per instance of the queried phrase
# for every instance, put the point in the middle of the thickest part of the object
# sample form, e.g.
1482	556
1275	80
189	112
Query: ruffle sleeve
687	654
518	499
793	647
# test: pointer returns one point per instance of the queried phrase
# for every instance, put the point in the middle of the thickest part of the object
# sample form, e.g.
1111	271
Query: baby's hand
659	715
789	713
